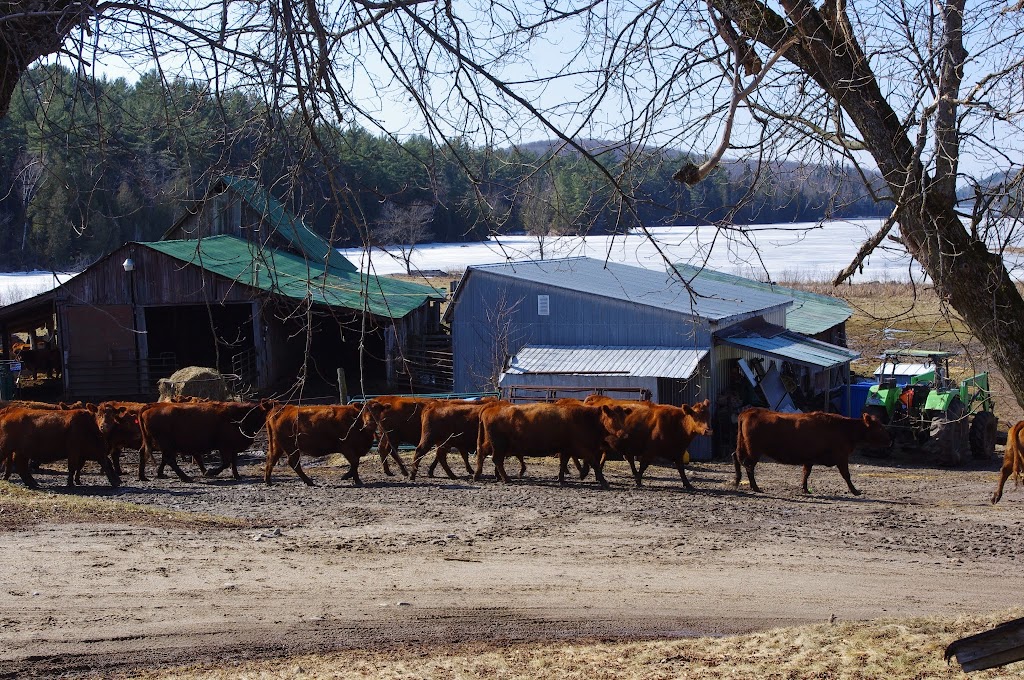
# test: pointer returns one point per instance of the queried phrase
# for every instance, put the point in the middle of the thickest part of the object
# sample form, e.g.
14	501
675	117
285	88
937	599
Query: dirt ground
239	570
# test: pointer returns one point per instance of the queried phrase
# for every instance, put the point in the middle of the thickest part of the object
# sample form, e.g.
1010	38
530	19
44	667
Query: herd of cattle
587	432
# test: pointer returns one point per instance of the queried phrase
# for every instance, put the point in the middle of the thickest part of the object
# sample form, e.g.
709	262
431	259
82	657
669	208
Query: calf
1013	460
659	431
197	429
50	435
543	429
318	431
806	439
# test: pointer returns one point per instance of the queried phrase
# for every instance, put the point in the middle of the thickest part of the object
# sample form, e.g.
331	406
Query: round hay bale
195	381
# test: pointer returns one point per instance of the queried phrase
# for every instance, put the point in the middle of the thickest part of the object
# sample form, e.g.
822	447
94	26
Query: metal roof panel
793	347
283	273
707	299
810	314
648	362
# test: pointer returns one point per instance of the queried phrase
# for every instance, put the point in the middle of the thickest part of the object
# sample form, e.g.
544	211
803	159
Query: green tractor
915	396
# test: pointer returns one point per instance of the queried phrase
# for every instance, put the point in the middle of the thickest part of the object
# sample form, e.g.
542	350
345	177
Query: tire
983	435
948	442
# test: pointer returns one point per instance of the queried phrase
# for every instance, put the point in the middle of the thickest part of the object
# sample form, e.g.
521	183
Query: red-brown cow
1013	460
197	429
119	423
806	439
293	431
451	425
398	422
51	435
658	431
567	428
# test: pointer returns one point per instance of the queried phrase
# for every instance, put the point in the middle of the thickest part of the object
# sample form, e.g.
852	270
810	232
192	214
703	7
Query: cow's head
110	418
875	432
698	418
613	417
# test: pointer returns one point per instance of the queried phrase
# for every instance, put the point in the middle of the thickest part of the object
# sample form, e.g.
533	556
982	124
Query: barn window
543	305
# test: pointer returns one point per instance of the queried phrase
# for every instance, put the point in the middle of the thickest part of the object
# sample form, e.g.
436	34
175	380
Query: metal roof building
250	291
586	325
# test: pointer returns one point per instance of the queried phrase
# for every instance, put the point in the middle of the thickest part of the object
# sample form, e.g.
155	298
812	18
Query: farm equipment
916	396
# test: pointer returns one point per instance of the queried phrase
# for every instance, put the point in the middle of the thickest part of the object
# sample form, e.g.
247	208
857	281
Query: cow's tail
1013	447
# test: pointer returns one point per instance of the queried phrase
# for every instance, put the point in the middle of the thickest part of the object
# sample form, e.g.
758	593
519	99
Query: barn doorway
332	341
201	335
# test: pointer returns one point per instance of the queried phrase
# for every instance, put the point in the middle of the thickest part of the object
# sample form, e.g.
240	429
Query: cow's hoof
858	493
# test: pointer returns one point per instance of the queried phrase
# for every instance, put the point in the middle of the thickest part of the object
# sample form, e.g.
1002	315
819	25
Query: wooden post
342	386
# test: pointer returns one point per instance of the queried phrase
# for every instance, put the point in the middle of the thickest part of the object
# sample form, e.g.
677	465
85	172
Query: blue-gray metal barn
569	327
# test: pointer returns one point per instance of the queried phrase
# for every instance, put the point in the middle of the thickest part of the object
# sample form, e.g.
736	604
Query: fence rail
116	378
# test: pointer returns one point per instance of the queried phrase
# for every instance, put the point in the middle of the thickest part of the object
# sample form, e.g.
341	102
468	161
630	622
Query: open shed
255	294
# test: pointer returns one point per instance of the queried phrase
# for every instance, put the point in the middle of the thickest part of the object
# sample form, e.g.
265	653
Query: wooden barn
568	327
239	284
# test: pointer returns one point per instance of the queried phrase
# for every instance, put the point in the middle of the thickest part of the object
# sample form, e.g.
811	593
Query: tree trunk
967	277
32	29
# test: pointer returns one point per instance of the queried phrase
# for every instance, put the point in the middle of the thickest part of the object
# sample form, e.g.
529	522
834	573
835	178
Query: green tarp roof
283	273
288	226
810	313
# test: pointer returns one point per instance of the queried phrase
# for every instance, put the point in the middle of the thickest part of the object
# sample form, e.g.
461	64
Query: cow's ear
867	417
92	408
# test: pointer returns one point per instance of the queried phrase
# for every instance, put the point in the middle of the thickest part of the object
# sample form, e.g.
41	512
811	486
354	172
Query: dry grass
909	648
21	508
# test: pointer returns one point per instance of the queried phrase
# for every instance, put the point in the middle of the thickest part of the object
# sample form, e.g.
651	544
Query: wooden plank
991	648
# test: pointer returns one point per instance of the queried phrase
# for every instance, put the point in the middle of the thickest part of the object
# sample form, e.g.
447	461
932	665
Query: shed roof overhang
34	312
779	343
648	362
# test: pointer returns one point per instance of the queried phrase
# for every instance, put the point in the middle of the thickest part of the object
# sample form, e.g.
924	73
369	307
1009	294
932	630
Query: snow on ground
16	286
791	251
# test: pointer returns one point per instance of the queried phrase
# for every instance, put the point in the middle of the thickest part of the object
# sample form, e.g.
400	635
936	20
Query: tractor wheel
983	435
882	415
949	439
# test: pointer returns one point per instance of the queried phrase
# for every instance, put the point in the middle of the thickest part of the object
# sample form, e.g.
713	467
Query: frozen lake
792	251
808	251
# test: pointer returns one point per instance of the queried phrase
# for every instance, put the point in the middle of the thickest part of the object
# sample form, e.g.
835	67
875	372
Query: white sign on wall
543	305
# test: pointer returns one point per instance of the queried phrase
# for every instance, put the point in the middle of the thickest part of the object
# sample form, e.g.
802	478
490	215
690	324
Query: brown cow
653	431
567	428
50	435
119	423
197	429
806	439
35	361
451	425
318	431
1013	460
398	422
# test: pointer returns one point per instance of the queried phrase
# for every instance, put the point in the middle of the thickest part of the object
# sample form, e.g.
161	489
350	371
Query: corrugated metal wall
496	316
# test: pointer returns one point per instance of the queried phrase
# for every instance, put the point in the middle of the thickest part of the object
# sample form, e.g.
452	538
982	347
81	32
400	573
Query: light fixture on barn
129	265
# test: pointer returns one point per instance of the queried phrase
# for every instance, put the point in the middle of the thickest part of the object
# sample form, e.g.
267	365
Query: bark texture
968	277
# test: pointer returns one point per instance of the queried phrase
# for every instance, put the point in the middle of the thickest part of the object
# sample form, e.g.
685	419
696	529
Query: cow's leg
465	461
442	458
807	473
637	475
398	459
21	463
75	465
844	470
296	464
739	473
1004	474
417	456
750	476
599	474
522	466
353	469
563	467
682	474
273	452
108	469
499	466
384	451
171	458
144	454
